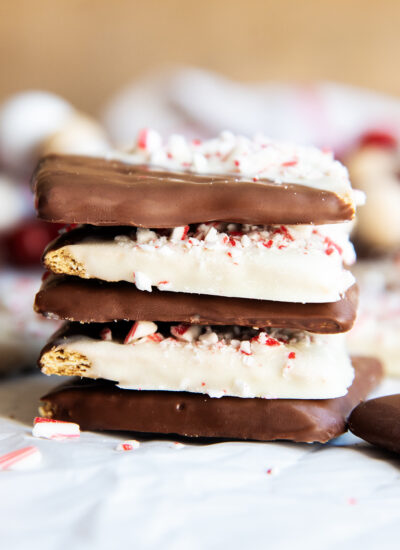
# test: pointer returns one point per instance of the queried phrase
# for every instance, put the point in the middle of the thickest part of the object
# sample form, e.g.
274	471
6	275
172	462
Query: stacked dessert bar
205	289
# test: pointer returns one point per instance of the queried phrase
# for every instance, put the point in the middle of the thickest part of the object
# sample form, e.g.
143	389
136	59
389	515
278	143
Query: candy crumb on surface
48	428
21	459
129	445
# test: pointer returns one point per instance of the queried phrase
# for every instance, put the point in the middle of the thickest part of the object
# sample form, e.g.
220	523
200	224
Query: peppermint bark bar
100	405
378	422
230	178
93	301
283	263
216	361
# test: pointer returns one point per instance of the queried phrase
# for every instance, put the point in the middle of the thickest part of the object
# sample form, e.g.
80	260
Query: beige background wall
86	49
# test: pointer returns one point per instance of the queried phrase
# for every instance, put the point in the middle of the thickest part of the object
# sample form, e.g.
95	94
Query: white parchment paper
85	494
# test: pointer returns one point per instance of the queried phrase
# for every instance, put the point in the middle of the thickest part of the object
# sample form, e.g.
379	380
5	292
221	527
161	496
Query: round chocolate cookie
378	422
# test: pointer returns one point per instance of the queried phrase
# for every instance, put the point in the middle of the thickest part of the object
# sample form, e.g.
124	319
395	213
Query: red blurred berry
24	245
378	138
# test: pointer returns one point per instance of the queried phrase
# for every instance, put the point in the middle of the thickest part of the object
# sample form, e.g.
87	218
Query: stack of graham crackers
205	290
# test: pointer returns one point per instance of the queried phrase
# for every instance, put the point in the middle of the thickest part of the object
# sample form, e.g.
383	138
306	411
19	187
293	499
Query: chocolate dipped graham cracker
100	405
378	422
300	263
230	178
75	299
226	298
219	360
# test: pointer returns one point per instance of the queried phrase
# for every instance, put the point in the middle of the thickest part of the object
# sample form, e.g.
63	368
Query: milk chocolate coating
93	301
378	422
78	189
101	405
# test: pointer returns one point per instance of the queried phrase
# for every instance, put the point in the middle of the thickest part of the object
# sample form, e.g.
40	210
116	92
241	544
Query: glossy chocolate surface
88	301
100	405
97	191
378	422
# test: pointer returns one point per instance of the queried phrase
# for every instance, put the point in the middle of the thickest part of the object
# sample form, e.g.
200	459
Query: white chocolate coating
303	367
282	263
260	157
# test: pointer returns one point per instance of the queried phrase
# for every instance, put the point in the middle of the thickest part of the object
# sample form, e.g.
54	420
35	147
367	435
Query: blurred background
83	76
85	50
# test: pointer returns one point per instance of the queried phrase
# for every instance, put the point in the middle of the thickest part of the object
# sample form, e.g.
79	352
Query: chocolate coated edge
88	301
101	405
97	191
377	421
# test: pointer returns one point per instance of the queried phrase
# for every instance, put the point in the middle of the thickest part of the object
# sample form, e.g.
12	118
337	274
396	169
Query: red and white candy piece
211	235
148	140
55	429
379	138
163	285
106	334
209	338
157	337
186	333
21	459
144	236
179	233
139	330
245	347
129	445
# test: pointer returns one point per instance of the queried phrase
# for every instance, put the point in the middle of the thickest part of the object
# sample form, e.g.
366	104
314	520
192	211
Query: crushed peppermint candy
185	332
245	347
129	445
163	285
259	157
106	334
178	445
234	239
48	428
21	459
239	339
148	140
179	233
209	338
140	329
157	337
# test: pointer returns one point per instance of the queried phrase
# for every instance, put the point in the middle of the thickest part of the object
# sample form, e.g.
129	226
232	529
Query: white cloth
198	103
